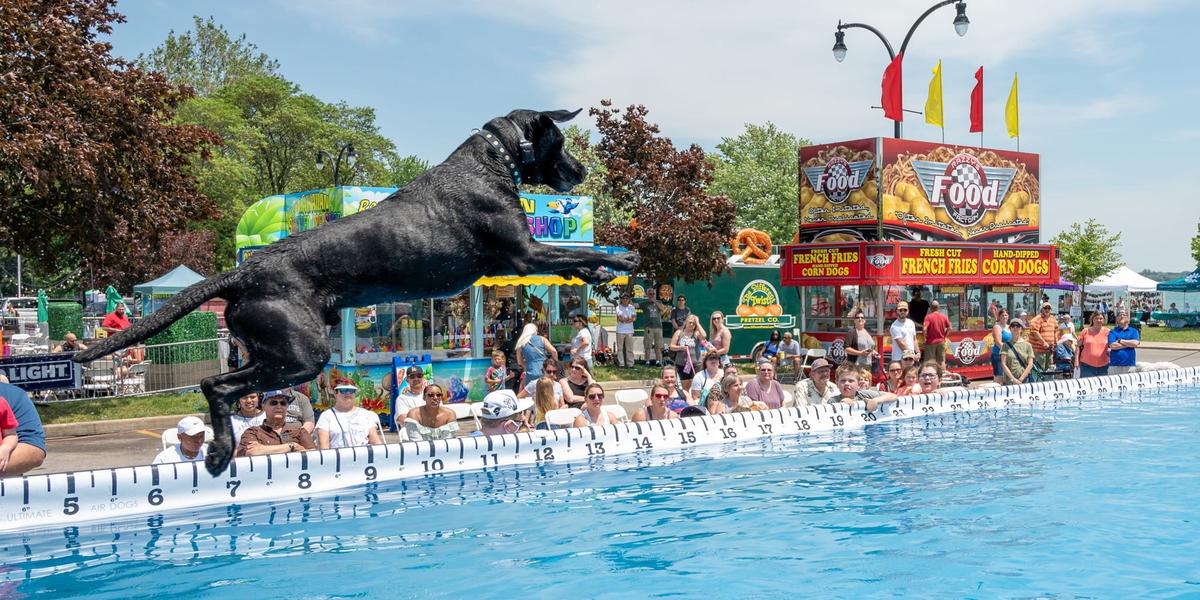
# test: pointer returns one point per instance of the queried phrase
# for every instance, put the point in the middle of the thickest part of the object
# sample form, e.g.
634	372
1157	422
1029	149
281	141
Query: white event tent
1123	279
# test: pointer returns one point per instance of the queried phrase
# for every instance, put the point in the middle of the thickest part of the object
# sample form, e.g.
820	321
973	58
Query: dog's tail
180	305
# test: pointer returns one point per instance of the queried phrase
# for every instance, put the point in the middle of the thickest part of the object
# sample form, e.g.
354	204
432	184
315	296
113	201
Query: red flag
893	95
977	103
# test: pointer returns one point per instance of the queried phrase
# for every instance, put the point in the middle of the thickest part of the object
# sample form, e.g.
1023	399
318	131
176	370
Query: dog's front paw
219	454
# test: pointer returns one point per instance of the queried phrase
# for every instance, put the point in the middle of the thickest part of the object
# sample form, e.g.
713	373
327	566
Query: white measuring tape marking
77	497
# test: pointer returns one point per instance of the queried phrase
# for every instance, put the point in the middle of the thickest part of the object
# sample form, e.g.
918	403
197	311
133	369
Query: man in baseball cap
502	412
816	389
191	446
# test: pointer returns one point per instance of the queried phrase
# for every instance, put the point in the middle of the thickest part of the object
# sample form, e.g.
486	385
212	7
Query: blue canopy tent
155	293
1191	283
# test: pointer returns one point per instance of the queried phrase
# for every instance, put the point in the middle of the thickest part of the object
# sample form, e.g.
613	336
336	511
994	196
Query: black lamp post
960	27
346	150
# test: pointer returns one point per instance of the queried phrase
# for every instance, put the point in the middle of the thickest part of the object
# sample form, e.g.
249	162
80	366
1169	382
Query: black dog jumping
459	221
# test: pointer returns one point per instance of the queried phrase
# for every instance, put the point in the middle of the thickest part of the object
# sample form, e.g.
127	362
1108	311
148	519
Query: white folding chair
562	417
170	437
615	411
462	410
788	398
811	355
632	401
476	413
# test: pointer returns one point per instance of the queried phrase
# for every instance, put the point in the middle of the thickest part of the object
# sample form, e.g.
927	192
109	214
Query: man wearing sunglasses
903	332
502	412
412	395
275	435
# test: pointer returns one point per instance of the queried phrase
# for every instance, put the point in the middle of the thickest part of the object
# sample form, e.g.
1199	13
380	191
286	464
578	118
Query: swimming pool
1083	496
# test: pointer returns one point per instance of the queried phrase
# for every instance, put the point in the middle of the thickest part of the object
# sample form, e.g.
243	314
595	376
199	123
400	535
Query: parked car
22	307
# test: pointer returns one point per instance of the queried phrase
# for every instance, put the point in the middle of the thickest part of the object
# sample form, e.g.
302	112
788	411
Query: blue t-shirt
1125	357
29	424
534	353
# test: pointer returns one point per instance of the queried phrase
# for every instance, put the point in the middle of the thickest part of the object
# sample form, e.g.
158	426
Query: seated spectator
693	411
909	359
579	376
544	401
727	396
70	344
274	435
764	388
771	349
853	388
908	382
346	424
248	414
1064	350
789	352
593	412
300	411
817	389
8	434
549	369
707	378
30	449
658	408
895	379
191	446
502	412
679	399
731	369
929	378
412	395
434	421
1018	356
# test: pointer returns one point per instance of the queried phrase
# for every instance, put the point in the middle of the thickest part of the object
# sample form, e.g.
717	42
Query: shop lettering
1016	254
22	373
1016	267
824	256
972	195
556	228
825	271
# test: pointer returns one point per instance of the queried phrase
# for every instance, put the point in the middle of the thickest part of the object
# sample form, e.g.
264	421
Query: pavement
136	441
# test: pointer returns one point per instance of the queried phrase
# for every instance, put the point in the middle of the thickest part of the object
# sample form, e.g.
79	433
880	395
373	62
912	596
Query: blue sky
1106	95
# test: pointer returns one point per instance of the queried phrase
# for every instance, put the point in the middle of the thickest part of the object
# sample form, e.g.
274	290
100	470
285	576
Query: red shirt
8	421
936	328
115	321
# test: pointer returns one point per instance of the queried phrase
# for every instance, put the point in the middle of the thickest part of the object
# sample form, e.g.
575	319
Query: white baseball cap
190	426
502	404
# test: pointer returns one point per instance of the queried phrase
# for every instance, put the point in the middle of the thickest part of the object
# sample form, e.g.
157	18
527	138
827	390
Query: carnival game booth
884	219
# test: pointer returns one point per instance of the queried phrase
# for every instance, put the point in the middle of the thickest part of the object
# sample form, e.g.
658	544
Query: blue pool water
1094	498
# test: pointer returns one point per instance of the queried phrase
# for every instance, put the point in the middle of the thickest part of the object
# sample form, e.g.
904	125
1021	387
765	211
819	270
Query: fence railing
150	369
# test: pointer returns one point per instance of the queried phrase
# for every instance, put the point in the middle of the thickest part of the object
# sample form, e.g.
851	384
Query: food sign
950	193
759	307
816	265
839	192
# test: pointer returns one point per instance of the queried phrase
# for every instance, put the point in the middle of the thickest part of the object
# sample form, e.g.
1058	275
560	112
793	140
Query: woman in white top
707	378
249	414
593	413
346	424
433	421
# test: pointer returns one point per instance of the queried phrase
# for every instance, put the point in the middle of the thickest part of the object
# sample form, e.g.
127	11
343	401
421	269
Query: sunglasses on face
894	370
595	396
416	376
928	375
573	367
345	390
661	396
434	394
278	402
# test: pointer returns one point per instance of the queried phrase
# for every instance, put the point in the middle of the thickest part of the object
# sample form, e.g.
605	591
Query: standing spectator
433	421
686	343
936	328
626	315
532	351
412	395
576	382
707	378
680	313
1103	308
817	389
300	411
1123	341
1018	356
497	374
116	320
652	337
1043	336
918	307
8	434
789	351
1093	355
909	359
274	435
1001	336
719	336
347	424
191	446
248	414
581	344
903	332
860	344
764	388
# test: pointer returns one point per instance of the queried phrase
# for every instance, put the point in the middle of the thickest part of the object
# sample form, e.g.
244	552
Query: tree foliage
207	58
758	171
93	170
679	229
1087	251
1196	247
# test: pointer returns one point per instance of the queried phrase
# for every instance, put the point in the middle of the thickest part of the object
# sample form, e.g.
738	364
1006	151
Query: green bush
198	325
64	317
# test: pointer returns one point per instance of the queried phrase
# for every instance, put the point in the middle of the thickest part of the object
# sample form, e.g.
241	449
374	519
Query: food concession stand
882	219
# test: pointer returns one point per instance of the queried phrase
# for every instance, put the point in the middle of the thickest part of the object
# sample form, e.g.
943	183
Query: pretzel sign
753	246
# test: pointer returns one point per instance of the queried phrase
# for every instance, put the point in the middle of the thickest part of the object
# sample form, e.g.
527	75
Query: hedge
64	317
198	325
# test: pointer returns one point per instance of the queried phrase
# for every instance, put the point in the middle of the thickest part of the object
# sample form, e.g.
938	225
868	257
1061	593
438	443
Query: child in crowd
8	429
497	374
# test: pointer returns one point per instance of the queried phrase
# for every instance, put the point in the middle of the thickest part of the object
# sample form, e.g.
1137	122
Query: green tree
1196	247
758	171
1087	252
207	58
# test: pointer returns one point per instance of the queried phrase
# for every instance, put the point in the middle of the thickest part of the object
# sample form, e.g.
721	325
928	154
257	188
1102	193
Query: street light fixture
961	22
347	150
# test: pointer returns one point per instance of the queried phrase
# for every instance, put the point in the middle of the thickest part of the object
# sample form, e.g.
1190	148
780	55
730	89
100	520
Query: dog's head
544	159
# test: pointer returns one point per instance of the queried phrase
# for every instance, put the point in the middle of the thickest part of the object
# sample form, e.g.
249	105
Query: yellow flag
933	104
1011	114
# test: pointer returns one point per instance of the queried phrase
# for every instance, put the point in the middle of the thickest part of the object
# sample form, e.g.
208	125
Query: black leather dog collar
498	145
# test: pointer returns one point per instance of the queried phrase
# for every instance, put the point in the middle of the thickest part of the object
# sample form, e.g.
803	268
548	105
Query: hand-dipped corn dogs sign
889	189
913	263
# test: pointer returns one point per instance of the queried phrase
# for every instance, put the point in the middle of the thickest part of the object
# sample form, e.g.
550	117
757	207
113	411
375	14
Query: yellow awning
507	280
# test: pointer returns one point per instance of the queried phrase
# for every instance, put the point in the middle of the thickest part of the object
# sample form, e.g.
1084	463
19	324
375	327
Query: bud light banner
563	220
839	192
939	192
